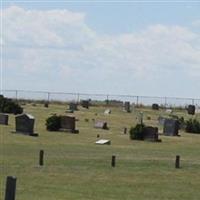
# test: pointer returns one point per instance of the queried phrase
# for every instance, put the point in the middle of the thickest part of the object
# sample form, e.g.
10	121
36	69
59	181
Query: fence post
107	99
177	162
16	95
41	158
78	97
165	102
48	97
137	100
10	188
113	160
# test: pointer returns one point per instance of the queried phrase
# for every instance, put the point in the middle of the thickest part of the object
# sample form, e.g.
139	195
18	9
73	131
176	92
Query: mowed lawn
77	169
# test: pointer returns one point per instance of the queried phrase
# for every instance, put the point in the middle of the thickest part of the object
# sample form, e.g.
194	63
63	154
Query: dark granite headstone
85	103
150	134
171	127
25	124
46	104
127	106
101	124
73	106
155	106
191	109
68	123
3	119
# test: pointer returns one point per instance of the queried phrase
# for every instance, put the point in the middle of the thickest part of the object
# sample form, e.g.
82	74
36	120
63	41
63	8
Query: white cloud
60	42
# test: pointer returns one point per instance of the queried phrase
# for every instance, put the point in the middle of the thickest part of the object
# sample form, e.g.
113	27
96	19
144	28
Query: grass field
77	169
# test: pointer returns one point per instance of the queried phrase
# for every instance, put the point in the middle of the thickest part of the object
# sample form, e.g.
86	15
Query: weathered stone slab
155	106
103	141
171	127
24	124
101	125
107	112
68	123
4	119
191	109
73	106
85	104
151	134
127	106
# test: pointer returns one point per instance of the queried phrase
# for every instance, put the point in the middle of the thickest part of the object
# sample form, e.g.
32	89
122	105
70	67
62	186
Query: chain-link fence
99	98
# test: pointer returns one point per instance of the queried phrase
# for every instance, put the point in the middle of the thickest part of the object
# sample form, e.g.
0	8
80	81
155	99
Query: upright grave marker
73	106
171	127
191	109
68	123
101	125
24	124
4	119
127	106
155	106
85	104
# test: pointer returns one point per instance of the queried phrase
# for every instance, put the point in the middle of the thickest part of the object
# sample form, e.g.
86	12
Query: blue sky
134	48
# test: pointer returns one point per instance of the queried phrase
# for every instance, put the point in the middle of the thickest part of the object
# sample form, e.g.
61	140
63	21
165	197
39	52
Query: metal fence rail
66	97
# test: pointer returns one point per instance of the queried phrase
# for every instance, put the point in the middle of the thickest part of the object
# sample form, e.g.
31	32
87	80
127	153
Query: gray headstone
171	127
127	106
85	104
101	125
150	134
155	106
4	119
73	106
68	123
25	124
191	109
161	120
107	112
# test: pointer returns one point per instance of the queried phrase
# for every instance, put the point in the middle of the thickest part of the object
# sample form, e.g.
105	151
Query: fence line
70	96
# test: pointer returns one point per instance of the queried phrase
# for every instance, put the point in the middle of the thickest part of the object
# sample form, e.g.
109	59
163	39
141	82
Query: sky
149	48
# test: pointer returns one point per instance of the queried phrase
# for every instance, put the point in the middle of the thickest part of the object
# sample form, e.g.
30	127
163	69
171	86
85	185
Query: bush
9	106
53	123
192	126
136	133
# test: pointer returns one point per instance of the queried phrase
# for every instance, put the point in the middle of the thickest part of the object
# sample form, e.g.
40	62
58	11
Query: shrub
136	133
192	126
53	123
9	106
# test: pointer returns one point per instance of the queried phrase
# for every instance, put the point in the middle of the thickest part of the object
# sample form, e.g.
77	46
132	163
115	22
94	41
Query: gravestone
191	109
151	134
24	124
127	106
155	106
107	112
73	106
101	125
3	119
103	141
46	104
68	123
85	104
171	127
161	120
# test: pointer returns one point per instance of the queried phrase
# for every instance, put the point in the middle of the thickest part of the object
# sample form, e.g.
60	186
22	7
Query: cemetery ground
75	168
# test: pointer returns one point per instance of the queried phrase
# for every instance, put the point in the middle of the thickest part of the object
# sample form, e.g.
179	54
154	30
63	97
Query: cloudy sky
145	48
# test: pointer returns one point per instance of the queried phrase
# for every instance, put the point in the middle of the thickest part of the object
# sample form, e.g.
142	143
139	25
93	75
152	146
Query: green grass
77	169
